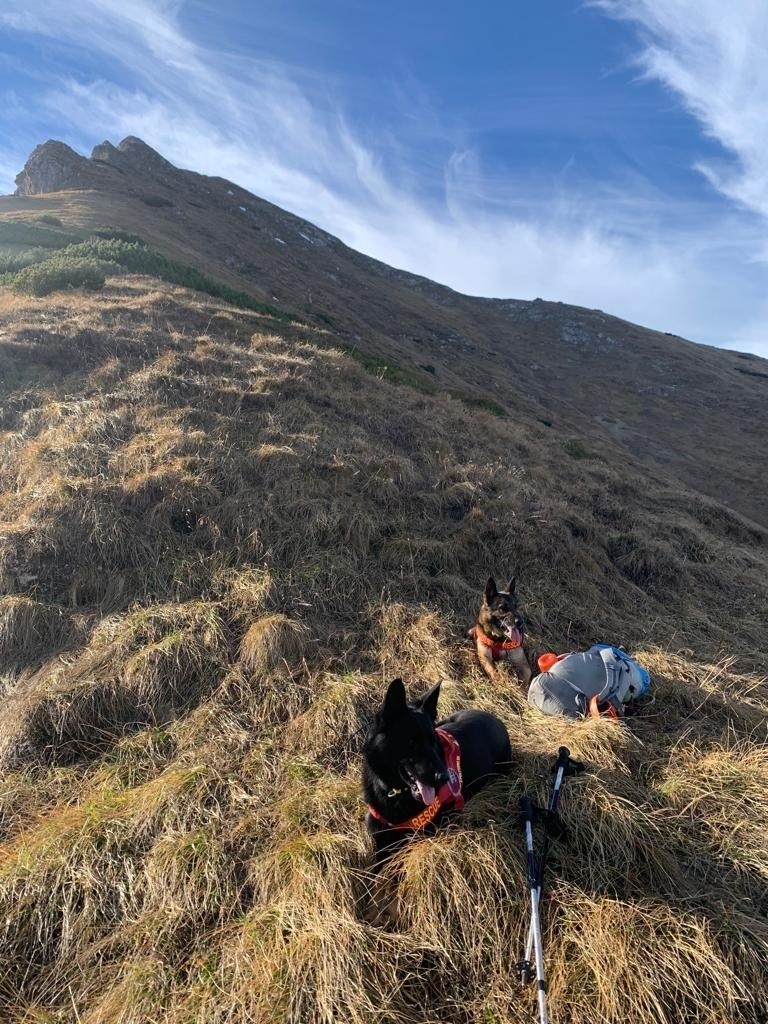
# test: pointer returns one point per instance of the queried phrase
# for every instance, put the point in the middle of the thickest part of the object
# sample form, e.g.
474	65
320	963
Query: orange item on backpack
546	661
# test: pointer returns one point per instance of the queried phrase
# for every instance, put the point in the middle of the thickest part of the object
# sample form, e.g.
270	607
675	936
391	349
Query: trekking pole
563	766
527	811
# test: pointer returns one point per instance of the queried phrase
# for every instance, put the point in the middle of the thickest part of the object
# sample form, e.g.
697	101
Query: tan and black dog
499	632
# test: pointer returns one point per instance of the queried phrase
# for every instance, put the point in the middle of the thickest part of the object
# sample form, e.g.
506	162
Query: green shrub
112	251
573	447
137	258
389	370
132	256
27	232
48	218
480	402
322	317
58	273
115	234
10	263
394	373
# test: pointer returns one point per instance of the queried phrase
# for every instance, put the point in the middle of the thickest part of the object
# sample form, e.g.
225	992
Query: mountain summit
55	167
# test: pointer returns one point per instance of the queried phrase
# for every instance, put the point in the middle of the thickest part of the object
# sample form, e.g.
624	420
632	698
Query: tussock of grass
316	964
25	795
130	996
649	563
137	759
316	806
138	670
333	726
244	592
216	546
620	837
414	643
706	695
601	743
29	627
271	643
72	882
721	792
642	961
482	869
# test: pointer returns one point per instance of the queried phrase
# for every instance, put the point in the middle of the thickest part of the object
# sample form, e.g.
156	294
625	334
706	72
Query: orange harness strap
497	646
607	711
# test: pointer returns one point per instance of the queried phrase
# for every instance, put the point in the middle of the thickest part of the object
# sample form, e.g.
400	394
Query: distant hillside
690	412
229	515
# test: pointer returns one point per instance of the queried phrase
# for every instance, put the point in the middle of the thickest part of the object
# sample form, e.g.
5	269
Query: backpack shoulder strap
614	668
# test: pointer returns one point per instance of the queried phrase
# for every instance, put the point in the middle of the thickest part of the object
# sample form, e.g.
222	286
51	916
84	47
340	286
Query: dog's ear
490	590
394	701
512	585
428	703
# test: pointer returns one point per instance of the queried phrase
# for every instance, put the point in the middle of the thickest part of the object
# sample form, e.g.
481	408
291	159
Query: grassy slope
695	413
216	545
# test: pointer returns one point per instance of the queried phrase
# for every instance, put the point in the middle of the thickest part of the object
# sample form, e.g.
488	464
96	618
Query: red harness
497	646
449	794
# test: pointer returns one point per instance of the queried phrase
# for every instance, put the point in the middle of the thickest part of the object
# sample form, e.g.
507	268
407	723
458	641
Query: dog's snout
442	776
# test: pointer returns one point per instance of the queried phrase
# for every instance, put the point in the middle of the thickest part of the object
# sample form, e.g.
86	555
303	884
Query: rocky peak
51	167
105	153
54	167
134	156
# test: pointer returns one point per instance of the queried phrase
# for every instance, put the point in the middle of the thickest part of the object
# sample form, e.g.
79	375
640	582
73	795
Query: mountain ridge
588	371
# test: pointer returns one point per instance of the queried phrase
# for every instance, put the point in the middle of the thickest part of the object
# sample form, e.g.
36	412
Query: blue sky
612	154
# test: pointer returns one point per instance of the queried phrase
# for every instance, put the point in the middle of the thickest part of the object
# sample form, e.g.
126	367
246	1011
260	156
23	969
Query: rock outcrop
55	167
52	167
135	157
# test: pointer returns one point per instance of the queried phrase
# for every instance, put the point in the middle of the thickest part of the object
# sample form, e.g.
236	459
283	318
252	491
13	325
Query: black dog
499	632
416	772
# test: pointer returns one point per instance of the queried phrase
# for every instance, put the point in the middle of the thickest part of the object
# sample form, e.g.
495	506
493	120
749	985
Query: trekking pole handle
560	766
563	757
565	765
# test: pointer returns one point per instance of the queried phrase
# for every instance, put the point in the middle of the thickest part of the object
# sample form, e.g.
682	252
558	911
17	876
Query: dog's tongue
513	633
426	793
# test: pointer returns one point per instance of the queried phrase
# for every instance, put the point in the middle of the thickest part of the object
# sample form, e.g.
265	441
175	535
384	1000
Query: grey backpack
589	684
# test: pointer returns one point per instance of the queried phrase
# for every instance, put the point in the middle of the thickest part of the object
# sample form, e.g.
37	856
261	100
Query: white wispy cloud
714	57
618	245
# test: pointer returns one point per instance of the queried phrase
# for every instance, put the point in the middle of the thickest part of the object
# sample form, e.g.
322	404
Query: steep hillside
220	535
692	413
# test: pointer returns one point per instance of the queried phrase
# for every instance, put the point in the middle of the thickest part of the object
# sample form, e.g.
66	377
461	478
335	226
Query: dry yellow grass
217	544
